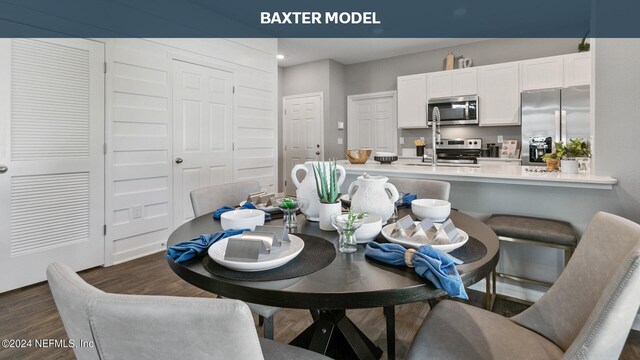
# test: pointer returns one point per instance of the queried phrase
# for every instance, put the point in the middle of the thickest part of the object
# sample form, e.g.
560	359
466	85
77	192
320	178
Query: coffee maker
538	147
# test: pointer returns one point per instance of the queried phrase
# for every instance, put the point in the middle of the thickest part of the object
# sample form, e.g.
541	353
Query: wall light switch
401	140
136	211
500	138
339	141
340	125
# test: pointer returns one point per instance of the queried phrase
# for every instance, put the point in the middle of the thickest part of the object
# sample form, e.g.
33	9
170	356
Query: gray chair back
210	198
151	327
424	189
590	309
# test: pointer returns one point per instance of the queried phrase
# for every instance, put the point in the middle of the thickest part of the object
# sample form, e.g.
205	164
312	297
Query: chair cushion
272	350
531	228
454	330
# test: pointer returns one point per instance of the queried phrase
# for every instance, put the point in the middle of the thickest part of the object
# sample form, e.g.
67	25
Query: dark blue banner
319	18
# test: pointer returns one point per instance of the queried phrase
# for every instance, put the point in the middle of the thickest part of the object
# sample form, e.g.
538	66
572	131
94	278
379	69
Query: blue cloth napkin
187	250
407	199
434	265
246	205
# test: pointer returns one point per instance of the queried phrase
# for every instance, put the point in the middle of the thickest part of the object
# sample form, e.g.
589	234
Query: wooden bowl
357	156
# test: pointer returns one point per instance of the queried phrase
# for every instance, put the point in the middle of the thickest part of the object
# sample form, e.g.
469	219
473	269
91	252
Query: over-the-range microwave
460	110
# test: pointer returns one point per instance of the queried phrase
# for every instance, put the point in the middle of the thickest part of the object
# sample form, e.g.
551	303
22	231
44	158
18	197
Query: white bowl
369	229
242	219
434	209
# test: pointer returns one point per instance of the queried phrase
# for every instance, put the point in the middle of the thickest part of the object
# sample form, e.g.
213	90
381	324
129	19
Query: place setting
247	249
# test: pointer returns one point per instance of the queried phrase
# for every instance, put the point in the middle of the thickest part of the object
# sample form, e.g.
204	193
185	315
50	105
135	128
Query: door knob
317	152
3	169
179	160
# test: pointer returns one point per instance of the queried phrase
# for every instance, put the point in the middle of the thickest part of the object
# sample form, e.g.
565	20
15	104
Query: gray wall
280	129
380	75
617	125
337	112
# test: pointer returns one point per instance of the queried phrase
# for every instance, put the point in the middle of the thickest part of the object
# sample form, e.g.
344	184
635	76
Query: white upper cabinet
499	94
577	69
412	101
439	84
452	83
543	73
465	82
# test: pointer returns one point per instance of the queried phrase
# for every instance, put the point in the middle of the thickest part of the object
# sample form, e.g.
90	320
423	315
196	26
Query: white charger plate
278	256
462	239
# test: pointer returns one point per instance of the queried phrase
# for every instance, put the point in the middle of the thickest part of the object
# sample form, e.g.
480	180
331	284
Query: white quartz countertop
499	174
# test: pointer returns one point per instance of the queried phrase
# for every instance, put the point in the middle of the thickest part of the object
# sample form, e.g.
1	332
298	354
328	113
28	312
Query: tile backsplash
488	134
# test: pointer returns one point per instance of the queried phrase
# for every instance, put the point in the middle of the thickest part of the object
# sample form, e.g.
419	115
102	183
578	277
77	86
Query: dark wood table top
351	281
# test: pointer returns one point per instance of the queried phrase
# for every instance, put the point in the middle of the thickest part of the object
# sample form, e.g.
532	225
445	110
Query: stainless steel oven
461	110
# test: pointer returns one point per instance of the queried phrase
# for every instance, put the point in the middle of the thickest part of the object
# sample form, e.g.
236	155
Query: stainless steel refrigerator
552	115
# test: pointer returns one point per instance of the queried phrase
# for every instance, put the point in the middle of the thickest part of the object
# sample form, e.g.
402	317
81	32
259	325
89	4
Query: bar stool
533	231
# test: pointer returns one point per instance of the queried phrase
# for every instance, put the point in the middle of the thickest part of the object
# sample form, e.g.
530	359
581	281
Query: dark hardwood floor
30	313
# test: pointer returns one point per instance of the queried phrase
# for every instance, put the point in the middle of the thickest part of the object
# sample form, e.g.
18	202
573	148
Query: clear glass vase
289	208
347	232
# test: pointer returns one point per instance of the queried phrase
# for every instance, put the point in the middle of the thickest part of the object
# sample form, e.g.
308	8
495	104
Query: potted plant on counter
578	150
328	192
567	155
553	159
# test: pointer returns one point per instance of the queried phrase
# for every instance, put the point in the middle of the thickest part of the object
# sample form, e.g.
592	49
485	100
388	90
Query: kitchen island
503	174
510	189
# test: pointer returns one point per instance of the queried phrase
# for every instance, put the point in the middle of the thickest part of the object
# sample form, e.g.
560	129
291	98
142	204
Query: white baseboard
636	323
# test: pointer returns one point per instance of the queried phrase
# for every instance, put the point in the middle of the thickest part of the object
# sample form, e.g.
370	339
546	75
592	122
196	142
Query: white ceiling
351	51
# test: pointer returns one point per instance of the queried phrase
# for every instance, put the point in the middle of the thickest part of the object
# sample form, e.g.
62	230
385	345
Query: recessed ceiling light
280	56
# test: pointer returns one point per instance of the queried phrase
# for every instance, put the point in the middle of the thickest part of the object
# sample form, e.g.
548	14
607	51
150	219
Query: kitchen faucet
436	134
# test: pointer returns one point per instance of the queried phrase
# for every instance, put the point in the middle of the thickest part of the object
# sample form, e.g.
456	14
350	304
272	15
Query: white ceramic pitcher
373	195
306	189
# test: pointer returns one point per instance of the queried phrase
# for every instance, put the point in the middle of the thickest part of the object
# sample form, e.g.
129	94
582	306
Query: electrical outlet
500	138
136	211
422	138
401	140
339	141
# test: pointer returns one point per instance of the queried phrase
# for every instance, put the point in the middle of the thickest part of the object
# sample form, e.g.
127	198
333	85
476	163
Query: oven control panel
462	144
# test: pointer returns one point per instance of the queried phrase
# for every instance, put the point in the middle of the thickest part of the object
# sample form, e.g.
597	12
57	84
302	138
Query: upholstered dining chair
159	327
209	199
586	314
423	188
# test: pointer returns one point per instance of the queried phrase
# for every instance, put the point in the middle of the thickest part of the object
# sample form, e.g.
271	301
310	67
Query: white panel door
372	121
439	84
303	128
202	132
577	69
51	142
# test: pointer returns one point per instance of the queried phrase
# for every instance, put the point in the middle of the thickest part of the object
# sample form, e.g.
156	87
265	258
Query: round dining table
350	281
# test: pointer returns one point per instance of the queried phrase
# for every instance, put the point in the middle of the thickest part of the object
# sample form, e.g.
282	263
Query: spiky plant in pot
326	177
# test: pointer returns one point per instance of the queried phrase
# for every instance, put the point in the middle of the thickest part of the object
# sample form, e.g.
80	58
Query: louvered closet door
51	136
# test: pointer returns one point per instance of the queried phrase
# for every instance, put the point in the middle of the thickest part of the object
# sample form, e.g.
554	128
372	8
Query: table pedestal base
334	335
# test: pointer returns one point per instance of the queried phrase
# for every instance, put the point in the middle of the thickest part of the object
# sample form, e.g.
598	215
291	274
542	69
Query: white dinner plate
462	239
278	256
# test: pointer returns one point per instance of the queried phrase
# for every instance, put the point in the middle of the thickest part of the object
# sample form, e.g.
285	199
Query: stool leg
488	291
268	327
567	255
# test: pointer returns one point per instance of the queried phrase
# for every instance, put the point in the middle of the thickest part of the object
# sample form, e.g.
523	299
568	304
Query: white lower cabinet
499	94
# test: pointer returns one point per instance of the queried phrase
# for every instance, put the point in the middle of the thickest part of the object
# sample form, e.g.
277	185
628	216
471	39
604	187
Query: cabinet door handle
317	152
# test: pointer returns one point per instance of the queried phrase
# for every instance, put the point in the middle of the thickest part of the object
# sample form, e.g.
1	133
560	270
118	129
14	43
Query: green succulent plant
326	177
